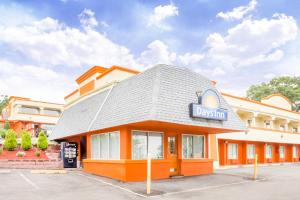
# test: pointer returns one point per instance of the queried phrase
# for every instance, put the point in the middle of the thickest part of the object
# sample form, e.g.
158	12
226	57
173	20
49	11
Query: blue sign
198	111
208	107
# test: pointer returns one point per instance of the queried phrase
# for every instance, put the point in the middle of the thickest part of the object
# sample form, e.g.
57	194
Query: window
192	146
295	151
29	110
268	151
282	127
249	122
250	151
106	146
267	124
51	112
232	151
295	130
281	151
144	142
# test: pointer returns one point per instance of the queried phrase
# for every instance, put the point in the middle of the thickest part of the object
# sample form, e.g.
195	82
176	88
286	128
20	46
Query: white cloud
33	81
158	53
160	13
239	12
252	41
49	43
87	18
269	76
218	71
190	58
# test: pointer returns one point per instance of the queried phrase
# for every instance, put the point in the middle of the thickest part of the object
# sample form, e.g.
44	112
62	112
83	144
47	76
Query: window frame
267	154
237	151
204	147
108	146
147	133
254	151
295	154
280	149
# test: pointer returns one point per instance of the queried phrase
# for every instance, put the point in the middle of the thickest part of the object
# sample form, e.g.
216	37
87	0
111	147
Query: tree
42	142
2	133
10	142
3	102
6	125
285	85
26	140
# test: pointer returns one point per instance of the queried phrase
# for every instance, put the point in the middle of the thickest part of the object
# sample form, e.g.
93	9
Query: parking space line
113	185
28	180
206	188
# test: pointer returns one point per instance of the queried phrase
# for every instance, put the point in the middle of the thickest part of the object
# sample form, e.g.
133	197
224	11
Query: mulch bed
29	155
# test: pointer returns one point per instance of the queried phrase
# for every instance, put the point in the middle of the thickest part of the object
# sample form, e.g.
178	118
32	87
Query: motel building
31	115
273	132
119	116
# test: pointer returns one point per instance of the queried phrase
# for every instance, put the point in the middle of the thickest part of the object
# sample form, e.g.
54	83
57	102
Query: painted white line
206	188
28	181
113	185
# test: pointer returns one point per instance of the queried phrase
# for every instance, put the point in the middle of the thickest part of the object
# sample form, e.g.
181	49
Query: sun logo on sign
210	99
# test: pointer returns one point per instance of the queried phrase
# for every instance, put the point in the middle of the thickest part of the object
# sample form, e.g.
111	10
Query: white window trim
204	147
237	151
147	132
94	135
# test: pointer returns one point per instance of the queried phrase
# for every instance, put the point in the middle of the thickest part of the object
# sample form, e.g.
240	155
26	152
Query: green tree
26	140
6	125
285	85
2	133
42	142
3	102
10	142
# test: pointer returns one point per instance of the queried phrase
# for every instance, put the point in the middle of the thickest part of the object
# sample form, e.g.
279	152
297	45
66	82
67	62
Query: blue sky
45	45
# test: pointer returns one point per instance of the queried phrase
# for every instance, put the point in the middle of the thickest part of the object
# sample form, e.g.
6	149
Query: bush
6	125
37	153
10	142
2	133
42	142
20	154
26	140
1	150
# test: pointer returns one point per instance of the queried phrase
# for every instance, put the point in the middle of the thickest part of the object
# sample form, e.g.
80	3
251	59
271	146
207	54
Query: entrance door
173	155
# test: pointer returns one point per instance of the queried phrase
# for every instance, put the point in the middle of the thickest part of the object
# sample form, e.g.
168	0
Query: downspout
100	108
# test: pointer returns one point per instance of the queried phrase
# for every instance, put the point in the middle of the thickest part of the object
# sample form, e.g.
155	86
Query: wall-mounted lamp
199	95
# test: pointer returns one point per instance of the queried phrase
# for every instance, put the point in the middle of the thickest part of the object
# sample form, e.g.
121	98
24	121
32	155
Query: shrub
10	142
26	140
37	153
42	142
1	150
20	154
2	133
6	125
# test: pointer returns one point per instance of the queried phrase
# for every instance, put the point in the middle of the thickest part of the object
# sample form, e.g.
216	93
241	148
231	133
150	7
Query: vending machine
69	153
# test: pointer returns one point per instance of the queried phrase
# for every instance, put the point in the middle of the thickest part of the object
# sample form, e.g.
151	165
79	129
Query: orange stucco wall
87	87
260	149
126	169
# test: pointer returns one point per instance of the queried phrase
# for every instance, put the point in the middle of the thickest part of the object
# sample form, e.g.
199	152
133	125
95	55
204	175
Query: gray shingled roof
161	93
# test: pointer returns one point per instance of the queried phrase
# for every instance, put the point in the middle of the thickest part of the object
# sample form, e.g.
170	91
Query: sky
45	45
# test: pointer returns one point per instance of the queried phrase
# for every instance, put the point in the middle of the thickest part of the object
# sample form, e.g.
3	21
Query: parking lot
274	182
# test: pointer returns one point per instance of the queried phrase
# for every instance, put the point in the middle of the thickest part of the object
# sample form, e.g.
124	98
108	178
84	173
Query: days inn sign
208	107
